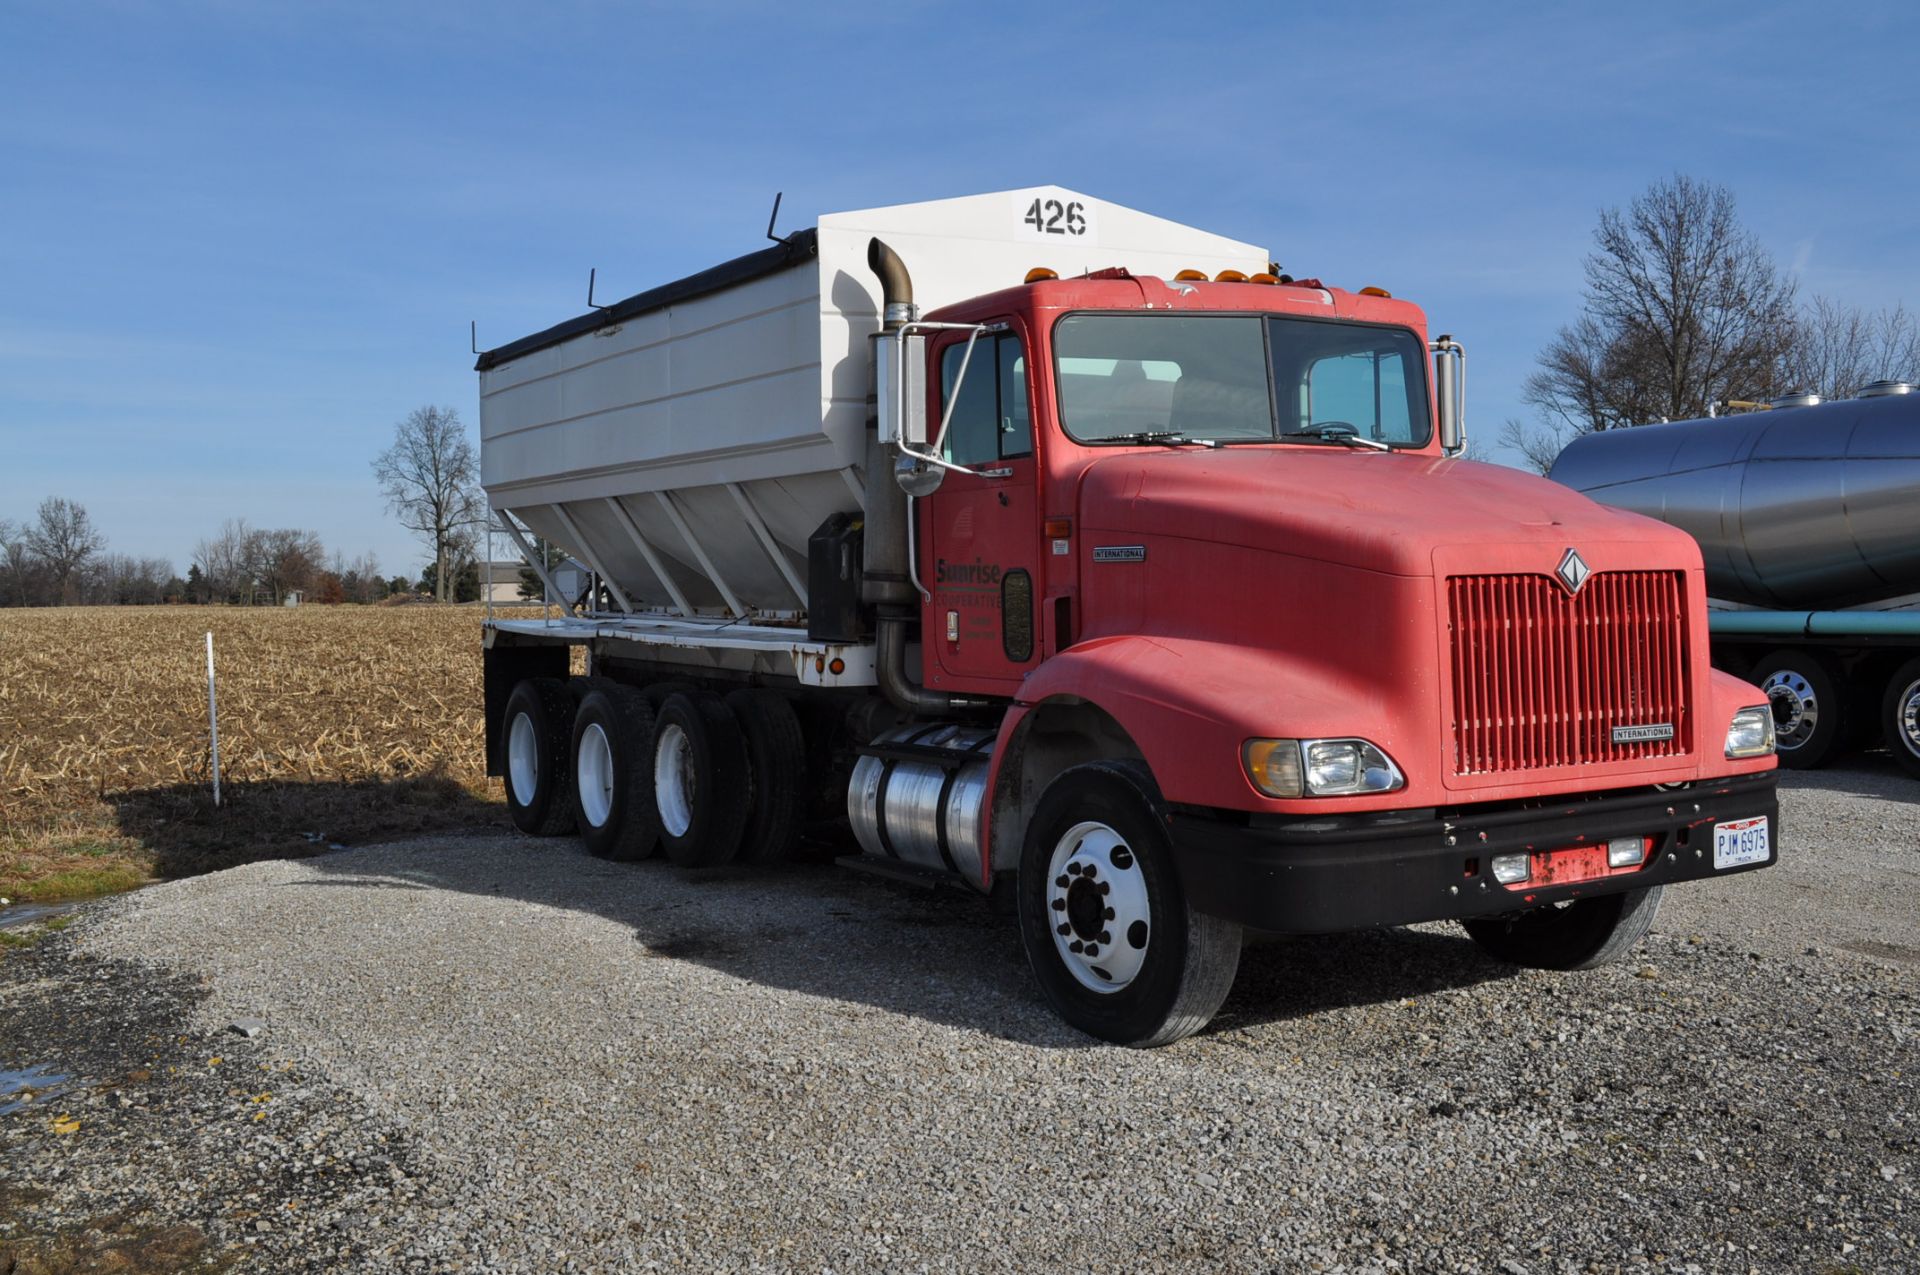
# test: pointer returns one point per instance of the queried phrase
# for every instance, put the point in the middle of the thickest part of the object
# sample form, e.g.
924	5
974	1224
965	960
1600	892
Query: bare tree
1683	308
430	477
286	560
1839	348
65	541
224	561
1538	445
19	573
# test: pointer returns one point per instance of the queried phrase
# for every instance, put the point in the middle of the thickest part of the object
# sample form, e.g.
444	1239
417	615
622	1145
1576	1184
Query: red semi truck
1154	597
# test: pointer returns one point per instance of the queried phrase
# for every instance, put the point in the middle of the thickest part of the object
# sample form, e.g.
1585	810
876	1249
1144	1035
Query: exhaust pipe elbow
896	285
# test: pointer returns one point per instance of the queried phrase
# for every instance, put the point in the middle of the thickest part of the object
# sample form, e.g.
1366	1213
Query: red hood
1376	511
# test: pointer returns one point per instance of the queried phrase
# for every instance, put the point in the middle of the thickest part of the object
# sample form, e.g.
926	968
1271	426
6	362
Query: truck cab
1210	530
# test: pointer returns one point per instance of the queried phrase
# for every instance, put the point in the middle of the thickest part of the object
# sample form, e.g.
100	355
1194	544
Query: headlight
1319	767
1751	734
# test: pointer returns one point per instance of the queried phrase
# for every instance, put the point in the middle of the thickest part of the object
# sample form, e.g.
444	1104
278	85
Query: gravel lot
503	1055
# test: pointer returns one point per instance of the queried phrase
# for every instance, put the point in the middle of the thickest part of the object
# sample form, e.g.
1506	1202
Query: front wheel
1579	935
1104	922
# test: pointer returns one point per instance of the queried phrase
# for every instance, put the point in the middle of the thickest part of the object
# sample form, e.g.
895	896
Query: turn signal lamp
1230	276
1191	276
1058	528
1376	292
1274	766
1040	274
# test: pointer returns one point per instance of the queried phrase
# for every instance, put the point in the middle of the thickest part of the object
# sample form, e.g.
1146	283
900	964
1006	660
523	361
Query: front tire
536	730
1580	935
1808	710
612	773
1900	716
1104	921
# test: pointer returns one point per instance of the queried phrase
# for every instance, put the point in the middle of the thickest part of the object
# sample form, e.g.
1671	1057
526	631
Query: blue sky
238	241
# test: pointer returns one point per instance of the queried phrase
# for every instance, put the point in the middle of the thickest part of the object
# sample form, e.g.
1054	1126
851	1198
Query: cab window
990	419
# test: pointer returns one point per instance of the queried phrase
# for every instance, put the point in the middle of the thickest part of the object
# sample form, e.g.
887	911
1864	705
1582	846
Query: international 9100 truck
1086	559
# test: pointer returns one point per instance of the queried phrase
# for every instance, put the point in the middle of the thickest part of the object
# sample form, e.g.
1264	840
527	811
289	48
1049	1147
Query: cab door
980	532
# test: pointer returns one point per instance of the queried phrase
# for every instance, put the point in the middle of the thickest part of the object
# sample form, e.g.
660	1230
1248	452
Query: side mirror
1450	393
900	387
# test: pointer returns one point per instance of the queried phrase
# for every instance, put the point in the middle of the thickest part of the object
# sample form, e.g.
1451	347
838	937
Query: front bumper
1336	873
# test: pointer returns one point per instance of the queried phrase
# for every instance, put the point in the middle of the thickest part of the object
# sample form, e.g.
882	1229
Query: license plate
1740	842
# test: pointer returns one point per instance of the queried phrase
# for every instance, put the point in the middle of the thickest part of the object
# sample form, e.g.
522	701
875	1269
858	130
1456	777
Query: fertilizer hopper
687	441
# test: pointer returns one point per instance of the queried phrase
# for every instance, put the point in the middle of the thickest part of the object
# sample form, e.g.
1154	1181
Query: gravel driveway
514	1057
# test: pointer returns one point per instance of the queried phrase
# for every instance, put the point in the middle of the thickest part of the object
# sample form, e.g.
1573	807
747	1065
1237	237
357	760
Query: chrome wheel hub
523	760
1796	711
1906	718
1098	907
593	771
673	780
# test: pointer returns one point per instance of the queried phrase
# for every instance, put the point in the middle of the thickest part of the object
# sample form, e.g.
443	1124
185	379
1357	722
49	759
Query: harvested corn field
336	724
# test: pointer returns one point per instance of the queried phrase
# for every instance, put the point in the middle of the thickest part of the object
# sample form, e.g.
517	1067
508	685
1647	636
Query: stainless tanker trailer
1808	518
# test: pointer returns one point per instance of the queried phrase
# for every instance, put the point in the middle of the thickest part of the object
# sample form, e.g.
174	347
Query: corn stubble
337	724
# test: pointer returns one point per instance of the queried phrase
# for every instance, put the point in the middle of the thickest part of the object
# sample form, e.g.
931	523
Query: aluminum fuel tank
1801	507
920	795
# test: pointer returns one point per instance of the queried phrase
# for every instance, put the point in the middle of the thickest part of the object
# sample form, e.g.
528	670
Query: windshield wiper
1338	432
1162	437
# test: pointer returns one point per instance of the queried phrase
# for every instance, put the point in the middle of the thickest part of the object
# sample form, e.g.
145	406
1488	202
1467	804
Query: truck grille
1542	679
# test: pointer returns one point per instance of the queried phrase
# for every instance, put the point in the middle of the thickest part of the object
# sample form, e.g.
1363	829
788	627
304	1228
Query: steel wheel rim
1098	908
523	759
673	780
593	773
1796	710
1906	717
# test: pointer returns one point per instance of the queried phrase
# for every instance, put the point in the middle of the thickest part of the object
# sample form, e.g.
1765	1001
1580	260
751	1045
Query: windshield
1237	378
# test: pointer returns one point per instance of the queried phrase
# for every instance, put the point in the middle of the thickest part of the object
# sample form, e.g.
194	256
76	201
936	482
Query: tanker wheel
1808	711
612	772
1900	716
1568	936
1103	919
537	729
700	783
777	773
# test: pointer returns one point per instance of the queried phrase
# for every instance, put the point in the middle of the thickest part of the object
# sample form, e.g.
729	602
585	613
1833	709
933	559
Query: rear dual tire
536	729
699	778
613	733
1900	716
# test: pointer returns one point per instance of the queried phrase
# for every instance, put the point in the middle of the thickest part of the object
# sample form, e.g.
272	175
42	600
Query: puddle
20	914
18	1089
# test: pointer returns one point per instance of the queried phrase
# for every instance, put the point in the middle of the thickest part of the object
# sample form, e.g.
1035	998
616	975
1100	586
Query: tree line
1685	314
60	558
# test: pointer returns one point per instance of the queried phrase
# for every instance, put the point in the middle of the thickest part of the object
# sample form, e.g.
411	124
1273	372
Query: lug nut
1073	869
1105	888
1059	905
1092	950
1076	947
1066	929
1061	880
1106	937
1110	914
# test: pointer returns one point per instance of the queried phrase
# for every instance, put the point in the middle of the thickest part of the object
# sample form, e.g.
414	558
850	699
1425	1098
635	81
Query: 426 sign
1057	217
